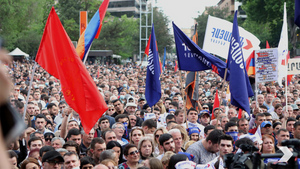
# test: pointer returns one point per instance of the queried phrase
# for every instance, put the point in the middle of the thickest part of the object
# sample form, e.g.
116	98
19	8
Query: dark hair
290	119
71	143
214	136
229	124
149	123
241	119
127	147
226	137
112	144
175	159
33	134
73	131
50	105
33	139
244	140
296	124
276	124
259	115
277	106
280	130
41	116
121	116
114	101
102	119
96	140
170	116
86	160
168	99
209	127
12	153
175	104
106	131
45	149
267	114
177	112
164	137
191	109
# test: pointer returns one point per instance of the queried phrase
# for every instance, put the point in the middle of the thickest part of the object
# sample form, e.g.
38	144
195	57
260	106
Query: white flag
283	50
258	135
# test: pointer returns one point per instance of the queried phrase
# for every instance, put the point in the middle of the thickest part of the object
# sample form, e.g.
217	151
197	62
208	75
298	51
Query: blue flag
297	13
240	87
164	61
153	89
192	58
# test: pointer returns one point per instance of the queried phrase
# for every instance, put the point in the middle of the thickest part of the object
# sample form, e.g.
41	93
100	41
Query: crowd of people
132	135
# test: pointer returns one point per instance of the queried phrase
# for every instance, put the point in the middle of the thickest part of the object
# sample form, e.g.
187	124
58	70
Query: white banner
218	34
293	66
266	65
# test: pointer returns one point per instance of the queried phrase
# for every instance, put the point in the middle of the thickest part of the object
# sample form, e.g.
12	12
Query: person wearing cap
141	103
204	117
295	109
266	128
130	108
194	133
52	160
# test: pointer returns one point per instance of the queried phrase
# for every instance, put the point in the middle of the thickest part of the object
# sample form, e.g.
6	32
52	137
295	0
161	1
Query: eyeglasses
120	128
134	152
48	139
111	109
157	136
54	162
298	104
132	119
205	108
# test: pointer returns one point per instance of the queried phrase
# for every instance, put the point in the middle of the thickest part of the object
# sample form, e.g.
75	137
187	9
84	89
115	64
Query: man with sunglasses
52	160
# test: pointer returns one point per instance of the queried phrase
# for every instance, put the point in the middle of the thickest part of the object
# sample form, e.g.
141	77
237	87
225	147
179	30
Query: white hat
130	104
185	165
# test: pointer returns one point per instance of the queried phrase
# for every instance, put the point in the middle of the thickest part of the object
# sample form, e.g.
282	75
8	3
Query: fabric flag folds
250	64
58	57
92	31
164	61
297	13
283	50
191	89
153	88
192	58
240	87
216	104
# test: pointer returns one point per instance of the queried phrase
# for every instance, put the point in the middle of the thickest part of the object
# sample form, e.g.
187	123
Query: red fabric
289	77
58	57
176	67
240	114
216	104
102	12
147	47
267	45
252	131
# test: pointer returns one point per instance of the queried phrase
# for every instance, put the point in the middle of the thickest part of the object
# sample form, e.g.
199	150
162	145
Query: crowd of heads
131	134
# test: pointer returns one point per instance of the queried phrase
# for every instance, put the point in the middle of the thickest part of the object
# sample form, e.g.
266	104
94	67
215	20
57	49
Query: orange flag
216	104
58	57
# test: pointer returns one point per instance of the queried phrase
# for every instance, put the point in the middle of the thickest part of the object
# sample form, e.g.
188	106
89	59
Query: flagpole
223	86
29	89
87	54
183	97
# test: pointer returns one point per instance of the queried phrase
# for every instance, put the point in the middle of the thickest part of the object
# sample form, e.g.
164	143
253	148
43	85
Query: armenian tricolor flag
92	31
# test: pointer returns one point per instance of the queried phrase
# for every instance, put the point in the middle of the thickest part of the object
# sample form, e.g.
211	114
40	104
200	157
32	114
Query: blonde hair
163	129
106	161
188	144
166	158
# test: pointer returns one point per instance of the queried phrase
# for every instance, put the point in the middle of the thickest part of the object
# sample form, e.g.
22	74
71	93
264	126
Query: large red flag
216	104
58	57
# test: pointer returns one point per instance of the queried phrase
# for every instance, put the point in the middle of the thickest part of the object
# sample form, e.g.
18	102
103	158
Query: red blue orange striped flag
92	31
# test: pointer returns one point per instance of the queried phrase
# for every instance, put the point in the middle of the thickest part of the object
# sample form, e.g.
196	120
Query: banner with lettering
218	34
293	66
266	65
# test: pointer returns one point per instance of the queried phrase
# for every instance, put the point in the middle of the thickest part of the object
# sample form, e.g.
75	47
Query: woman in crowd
146	148
166	158
157	133
30	163
111	164
132	156
276	127
268	145
117	148
135	135
175	159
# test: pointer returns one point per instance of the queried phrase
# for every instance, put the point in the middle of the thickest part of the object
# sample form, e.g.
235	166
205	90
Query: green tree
267	15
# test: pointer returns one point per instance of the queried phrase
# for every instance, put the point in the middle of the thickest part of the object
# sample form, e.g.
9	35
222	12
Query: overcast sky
182	12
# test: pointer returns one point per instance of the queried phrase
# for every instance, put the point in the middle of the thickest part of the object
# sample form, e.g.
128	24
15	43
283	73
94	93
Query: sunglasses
157	136
132	119
134	152
205	108
111	109
48	139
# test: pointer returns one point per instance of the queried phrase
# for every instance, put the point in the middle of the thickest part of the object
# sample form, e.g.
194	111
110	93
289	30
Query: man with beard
166	142
207	149
243	125
119	106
